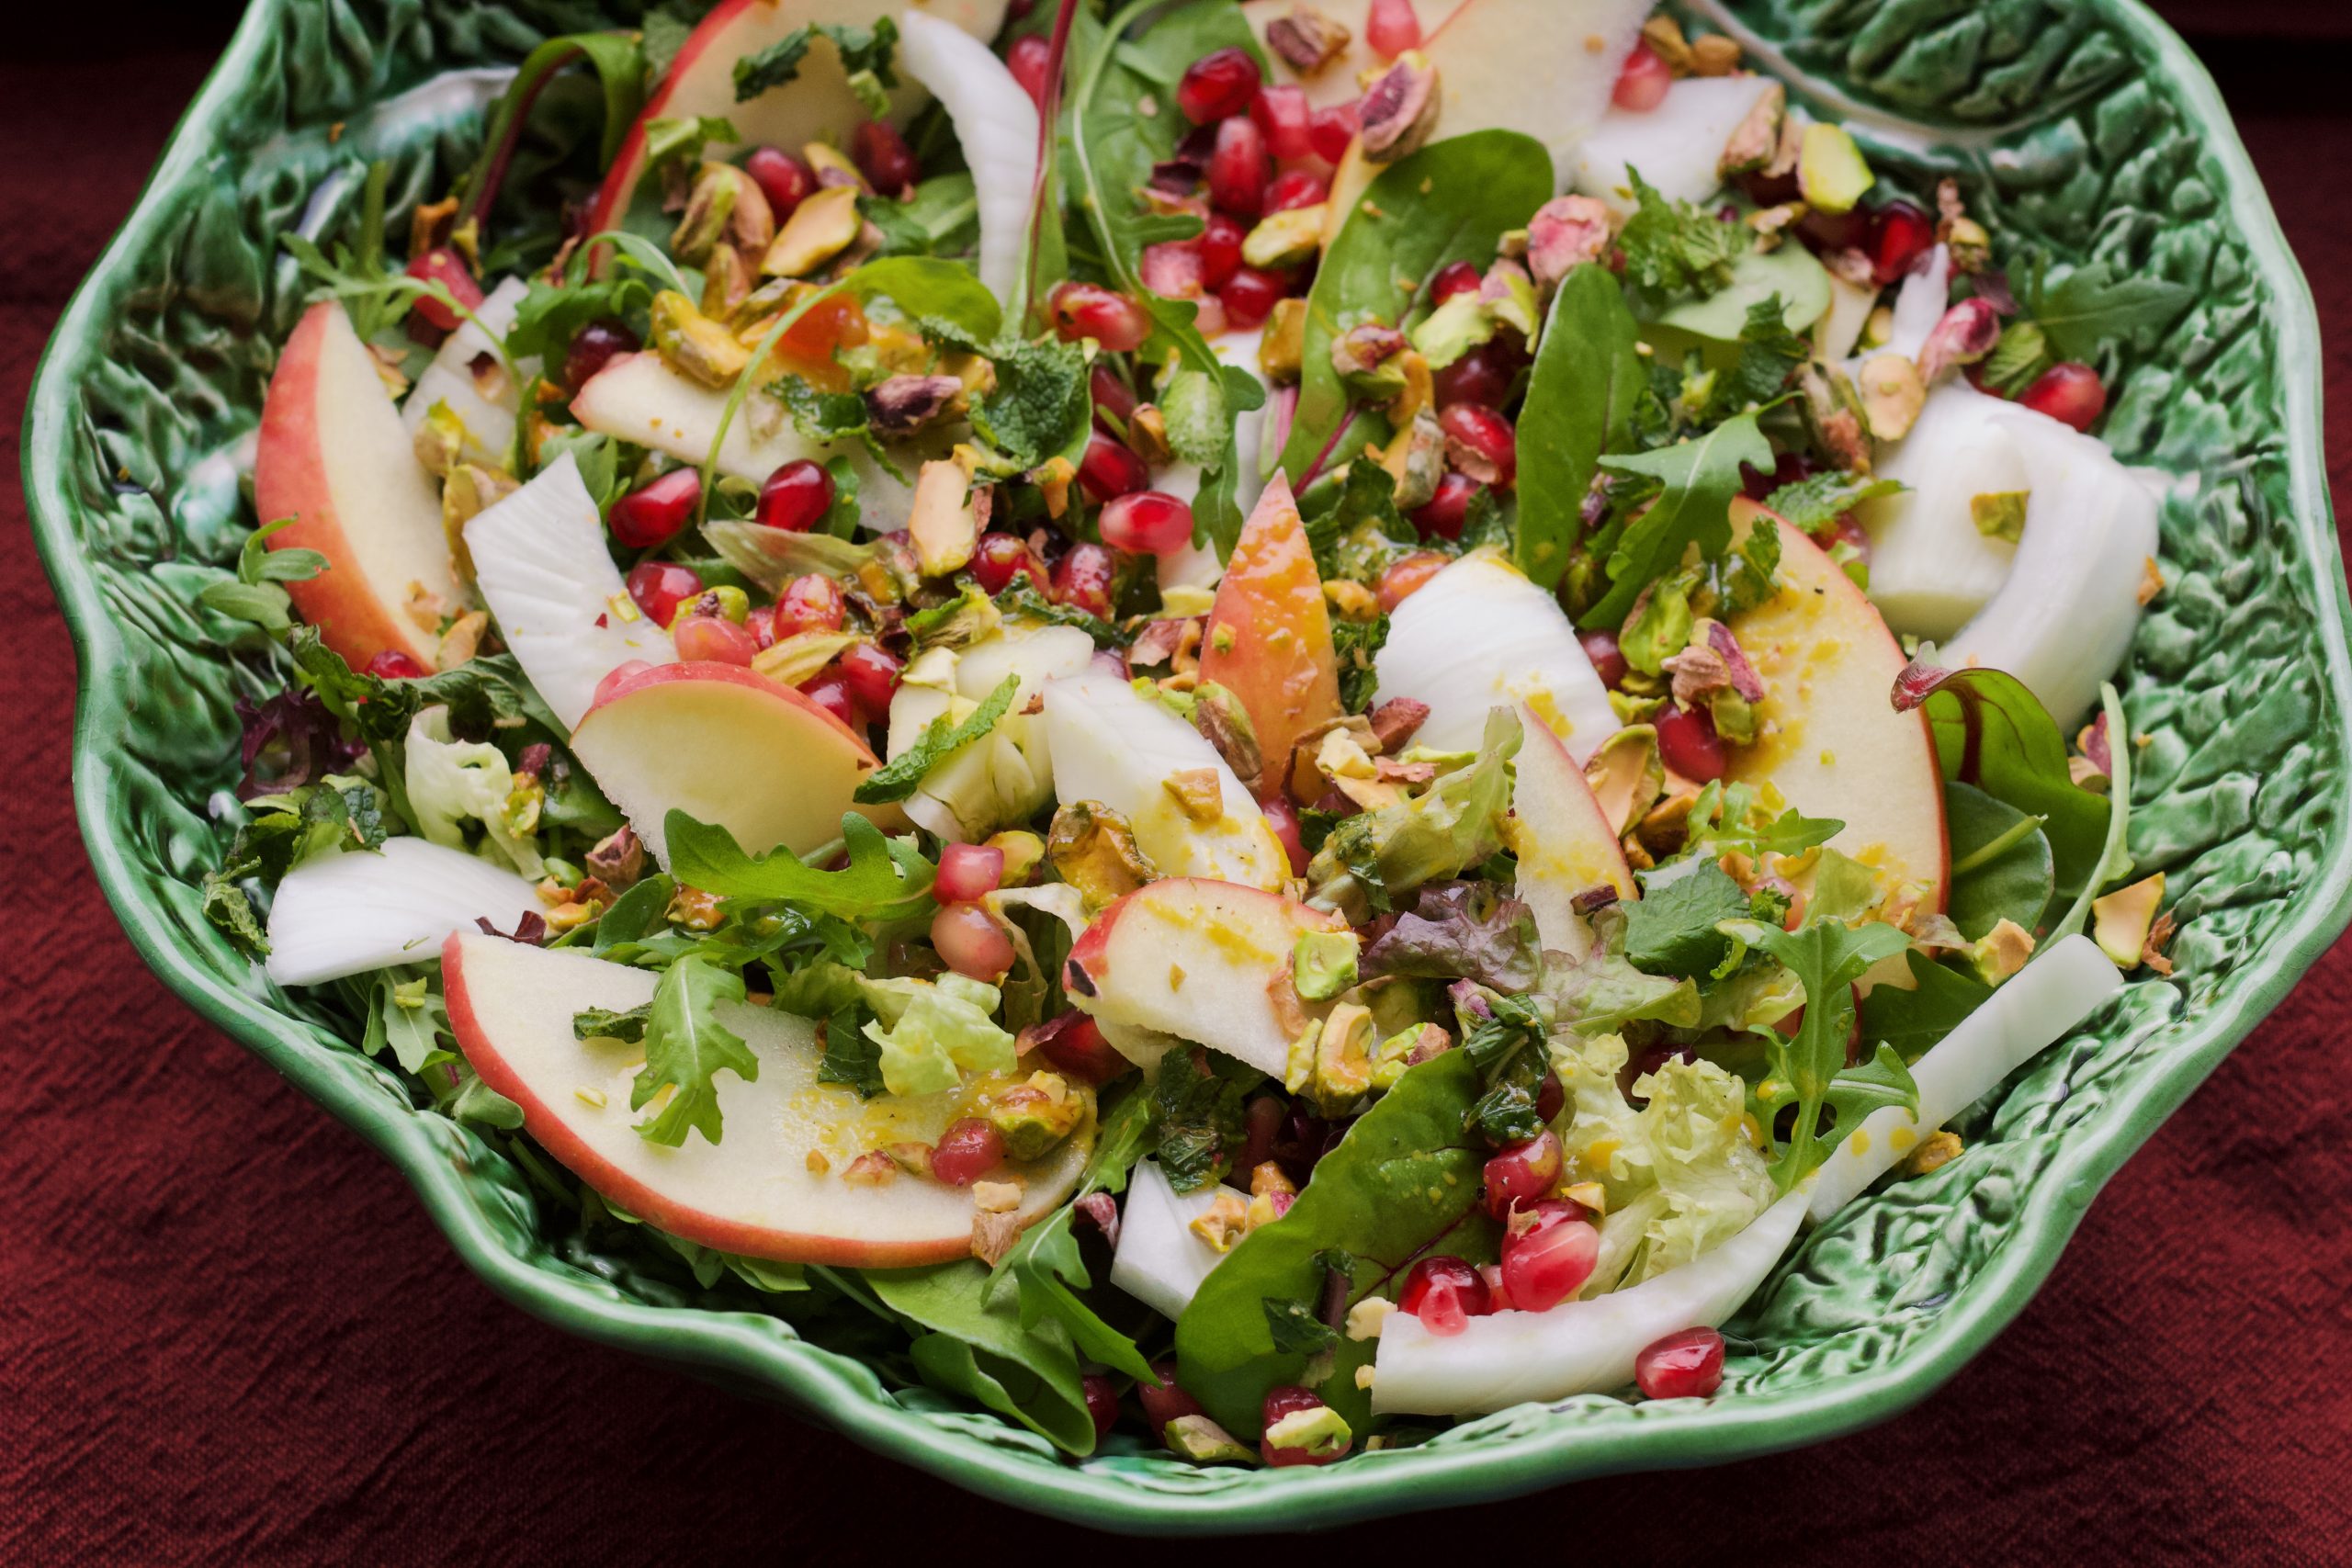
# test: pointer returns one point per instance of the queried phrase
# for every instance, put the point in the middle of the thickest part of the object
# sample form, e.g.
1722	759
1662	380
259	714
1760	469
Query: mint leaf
1355	645
886	879
905	771
2020	356
851	1058
1700	477
685	1046
1769	354
773	66
1671	929
602	1023
1814	503
1294	1327
1197	1104
1676	247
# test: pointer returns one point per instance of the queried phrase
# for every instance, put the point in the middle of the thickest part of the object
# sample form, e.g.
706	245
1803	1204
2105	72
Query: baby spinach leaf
975	1346
2001	865
1671	930
1702	478
886	880
1911	1020
1045	1266
685	1046
1581	393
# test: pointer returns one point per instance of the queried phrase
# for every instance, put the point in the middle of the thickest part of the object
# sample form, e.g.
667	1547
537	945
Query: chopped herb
941	740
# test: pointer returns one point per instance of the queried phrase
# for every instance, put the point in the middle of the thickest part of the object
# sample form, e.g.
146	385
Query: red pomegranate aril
999	559
811	604
1482	377
1550	1095
1404	577
1239	168
1444	512
1111	396
1076	1047
1900	234
1391	28
1608	658
658	587
1282	818
594	346
1453	278
1148	522
1108	470
966	1151
967	871
1476	436
1688	743
1218	85
1251	296
714	639
1282	113
795	497
1848	231
783	179
1166	1402
1028	59
1296	189
1101	1394
1523	1173
971	943
1329	131
1173	269
443	266
883	156
1446	1293
1688	1365
873	678
1549	1262
830	692
651	516
393	665
760	621
1082	578
1082	310
1284	1402
1641	83
2069	392
1220	248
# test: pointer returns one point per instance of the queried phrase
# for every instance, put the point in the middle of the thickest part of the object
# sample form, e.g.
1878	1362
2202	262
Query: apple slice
1160	1259
1195	958
540	561
763	1190
334	455
1479	635
1561	838
727	746
467	378
1338	82
1829	737
1130	754
1269	638
819	105
350	912
1676	146
1546	70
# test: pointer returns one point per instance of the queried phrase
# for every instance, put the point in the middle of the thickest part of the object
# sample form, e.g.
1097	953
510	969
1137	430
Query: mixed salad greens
1234	721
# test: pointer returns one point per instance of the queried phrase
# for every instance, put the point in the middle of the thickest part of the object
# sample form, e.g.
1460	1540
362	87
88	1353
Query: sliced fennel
353	911
1006	775
484	406
1931	568
996	124
1919	304
1160	1262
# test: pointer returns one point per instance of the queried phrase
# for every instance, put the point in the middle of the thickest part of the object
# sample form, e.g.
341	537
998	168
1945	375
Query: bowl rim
764	1353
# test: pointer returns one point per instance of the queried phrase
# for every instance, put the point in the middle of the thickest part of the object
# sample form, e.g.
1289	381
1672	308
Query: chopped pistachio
820	227
834	169
1285	238
694	345
1093	849
1307	39
1202	1441
1758	136
1321	1431
2121	919
1999	515
1023	853
1831	172
1323	964
1198	793
1399	109
1366	1317
1280	350
1892	393
942	524
2001	952
1451	330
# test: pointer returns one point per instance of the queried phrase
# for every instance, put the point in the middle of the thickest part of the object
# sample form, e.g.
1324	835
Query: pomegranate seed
761	623
1167	1402
1295	189
1083	580
971	943
393	665
1642	84
1027	59
1251	296
883	156
1523	1173
999	559
967	871
1546	1264
651	516
1108	470
811	604
1089	311
966	1151
795	497
1483	376
1405	576
1173	269
1329	131
594	346
1608	659
1283	114
1102	1395
660	586
1689	1365
1453	278
1218	85
1111	396
1446	1293
1550	1095
1149	523
619	675
1477	438
830	693
445	266
1900	234
1220	246
1239	168
714	639
1846	231
1688	743
1391	28
1449	509
783	179
1498	1293
1074	1044
1284	1402
872	676
2070	394
1788	468
1282	818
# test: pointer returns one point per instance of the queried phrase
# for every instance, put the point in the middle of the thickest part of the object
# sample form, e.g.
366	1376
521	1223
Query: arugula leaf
1814	503
2092	304
602	1023
938	742
551	315
851	1057
409	1016
1677	247
1671	929
1046	1267
1939	999
1581	392
635	912
1702	478
686	1045
887	880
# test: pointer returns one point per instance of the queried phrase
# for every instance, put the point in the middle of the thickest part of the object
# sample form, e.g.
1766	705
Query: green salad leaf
1581	392
2001	865
941	740
1701	477
685	1046
1939	1001
971	1342
1045	1268
886	879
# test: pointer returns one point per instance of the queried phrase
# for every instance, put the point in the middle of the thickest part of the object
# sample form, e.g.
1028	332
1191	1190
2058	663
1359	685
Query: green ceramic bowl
2082	125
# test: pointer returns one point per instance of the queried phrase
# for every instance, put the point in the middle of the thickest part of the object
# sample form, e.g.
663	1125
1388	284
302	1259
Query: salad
1251	725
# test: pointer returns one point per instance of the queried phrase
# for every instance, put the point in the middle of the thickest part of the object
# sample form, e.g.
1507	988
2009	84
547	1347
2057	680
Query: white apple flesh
1339	82
1561	839
1546	70
352	912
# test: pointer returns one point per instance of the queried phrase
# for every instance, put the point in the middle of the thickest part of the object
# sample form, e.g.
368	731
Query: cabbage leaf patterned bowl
2081	125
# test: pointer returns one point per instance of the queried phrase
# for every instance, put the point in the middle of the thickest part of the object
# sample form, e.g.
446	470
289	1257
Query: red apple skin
739	675
1270	637
290	480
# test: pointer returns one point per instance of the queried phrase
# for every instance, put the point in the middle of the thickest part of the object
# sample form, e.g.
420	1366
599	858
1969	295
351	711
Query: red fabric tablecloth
227	1332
